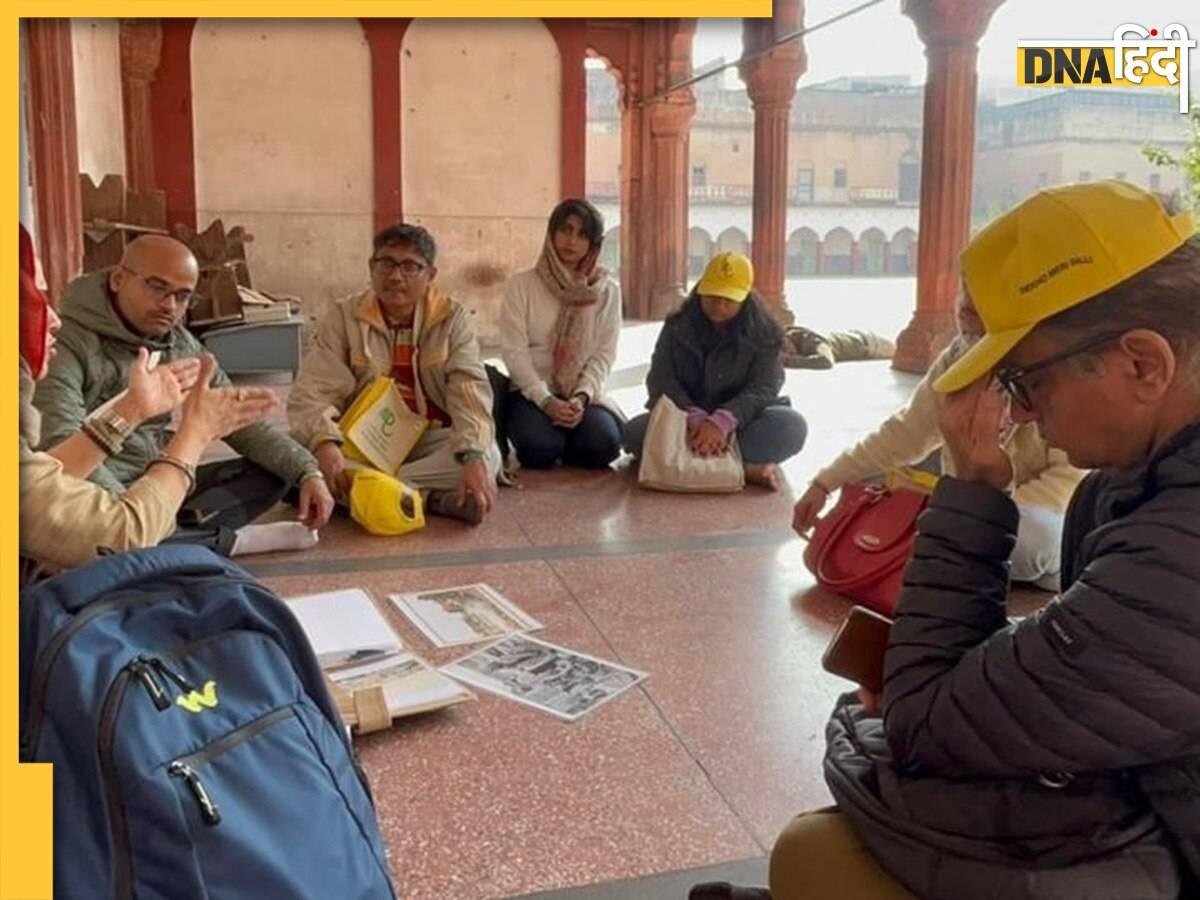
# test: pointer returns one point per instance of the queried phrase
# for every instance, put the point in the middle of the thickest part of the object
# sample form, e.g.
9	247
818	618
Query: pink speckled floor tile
553	511
343	538
492	799
734	638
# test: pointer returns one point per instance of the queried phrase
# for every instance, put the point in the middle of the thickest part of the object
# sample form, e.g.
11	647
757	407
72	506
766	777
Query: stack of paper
364	659
344	627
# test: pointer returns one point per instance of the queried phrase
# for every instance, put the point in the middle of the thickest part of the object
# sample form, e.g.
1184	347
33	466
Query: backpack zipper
142	668
45	662
171	675
209	813
123	865
144	672
185	766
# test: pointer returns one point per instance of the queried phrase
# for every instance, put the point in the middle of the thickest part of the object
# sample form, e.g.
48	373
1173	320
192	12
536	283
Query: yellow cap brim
980	360
732	294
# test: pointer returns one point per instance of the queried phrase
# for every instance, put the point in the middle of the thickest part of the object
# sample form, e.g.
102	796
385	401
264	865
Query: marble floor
700	765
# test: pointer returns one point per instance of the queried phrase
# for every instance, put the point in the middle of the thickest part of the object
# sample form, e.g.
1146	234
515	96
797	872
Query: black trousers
229	494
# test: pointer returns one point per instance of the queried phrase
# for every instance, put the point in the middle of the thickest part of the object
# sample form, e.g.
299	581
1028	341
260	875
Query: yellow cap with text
1062	246
728	275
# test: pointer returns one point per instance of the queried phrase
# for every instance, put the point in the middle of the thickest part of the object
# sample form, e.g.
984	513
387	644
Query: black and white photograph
547	677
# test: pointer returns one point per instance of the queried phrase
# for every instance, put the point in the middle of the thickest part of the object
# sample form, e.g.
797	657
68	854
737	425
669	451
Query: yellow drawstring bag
383	504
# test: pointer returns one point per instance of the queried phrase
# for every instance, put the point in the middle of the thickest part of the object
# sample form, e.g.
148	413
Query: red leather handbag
861	547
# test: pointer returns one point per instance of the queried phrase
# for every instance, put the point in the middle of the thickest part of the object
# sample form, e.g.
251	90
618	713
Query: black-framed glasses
385	266
161	290
1011	378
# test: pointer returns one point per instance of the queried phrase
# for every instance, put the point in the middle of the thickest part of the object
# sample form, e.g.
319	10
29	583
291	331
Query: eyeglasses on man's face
161	290
386	266
1012	378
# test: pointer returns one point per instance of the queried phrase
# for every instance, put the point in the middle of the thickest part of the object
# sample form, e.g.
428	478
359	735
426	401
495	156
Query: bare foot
764	475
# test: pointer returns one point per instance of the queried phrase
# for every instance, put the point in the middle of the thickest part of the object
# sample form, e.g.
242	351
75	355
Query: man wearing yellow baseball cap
1058	756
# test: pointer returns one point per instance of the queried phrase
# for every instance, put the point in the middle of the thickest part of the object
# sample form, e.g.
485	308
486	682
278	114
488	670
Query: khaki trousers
818	858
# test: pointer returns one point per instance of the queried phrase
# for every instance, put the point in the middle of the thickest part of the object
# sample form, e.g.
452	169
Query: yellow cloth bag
379	429
384	505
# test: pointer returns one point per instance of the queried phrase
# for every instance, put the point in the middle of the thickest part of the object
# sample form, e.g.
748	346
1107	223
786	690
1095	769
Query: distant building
855	159
1072	135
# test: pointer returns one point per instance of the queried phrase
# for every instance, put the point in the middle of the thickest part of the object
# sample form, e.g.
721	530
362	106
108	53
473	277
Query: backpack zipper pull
208	810
161	667
142	670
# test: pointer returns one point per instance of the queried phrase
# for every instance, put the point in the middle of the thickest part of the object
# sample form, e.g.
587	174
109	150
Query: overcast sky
882	41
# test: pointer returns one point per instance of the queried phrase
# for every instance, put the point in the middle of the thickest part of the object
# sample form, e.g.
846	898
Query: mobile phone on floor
857	648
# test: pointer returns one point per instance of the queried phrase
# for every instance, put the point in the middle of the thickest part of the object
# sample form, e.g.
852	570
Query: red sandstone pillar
141	50
771	84
385	38
950	30
171	114
570	35
54	150
666	231
654	166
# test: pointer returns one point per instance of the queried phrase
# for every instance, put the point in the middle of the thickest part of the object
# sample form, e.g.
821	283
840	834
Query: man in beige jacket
404	327
1043	480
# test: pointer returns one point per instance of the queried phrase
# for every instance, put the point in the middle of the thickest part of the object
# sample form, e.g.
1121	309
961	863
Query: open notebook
372	677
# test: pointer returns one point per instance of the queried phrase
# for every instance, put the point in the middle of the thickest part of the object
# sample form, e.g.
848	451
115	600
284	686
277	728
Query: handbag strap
856	579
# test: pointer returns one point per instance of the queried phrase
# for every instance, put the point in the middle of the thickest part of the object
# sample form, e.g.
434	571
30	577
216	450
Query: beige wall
98	116
481	126
283	146
727	154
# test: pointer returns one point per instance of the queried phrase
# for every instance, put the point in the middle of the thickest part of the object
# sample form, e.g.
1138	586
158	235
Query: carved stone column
771	84
54	149
951	30
141	51
665	203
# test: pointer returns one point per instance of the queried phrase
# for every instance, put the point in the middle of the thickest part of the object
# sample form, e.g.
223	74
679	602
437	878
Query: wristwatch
108	428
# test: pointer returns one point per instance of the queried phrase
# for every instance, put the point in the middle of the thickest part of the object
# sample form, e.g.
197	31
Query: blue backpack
196	750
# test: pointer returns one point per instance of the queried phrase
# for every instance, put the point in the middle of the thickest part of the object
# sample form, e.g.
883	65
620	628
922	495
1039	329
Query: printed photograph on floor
553	679
463	615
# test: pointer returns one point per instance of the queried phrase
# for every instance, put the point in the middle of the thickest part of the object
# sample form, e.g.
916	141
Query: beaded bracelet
98	436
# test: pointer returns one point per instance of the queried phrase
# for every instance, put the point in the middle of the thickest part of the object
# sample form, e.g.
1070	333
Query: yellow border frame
26	835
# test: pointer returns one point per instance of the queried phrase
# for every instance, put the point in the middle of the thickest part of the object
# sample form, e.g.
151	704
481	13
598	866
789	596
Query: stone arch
700	251
803	253
610	252
871	255
837	252
733	238
902	252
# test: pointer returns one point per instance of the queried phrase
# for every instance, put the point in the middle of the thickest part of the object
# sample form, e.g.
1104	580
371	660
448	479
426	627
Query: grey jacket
1058	757
95	351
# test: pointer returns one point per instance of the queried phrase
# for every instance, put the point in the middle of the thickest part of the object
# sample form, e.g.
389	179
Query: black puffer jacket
1059	757
737	368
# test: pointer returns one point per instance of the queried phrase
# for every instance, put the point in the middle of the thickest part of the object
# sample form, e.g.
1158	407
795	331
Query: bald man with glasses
141	303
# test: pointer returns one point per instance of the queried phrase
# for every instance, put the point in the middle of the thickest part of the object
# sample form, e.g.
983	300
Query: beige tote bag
668	464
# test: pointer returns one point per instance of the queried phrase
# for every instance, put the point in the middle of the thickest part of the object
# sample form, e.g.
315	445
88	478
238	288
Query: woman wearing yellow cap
717	358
